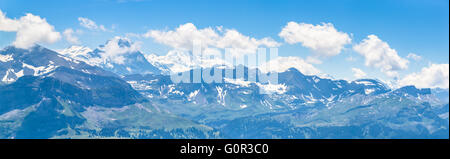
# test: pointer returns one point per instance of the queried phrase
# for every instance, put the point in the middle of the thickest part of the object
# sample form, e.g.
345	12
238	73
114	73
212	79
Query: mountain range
115	91
118	55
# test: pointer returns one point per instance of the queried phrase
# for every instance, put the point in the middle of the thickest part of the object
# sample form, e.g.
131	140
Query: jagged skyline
396	42
197	70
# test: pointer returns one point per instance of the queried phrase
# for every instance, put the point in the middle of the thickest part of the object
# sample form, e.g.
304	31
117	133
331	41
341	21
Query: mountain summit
37	61
118	55
48	95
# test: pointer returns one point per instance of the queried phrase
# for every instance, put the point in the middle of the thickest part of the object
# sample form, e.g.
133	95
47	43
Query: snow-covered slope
118	55
176	61
37	61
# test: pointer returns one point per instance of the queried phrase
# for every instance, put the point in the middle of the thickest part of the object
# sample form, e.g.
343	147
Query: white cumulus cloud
183	37
7	24
414	56
324	40
30	29
358	73
90	24
115	49
70	37
434	76
379	54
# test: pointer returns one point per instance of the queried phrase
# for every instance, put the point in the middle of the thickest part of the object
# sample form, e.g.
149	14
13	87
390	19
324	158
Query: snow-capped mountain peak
38	61
75	51
118	55
176	61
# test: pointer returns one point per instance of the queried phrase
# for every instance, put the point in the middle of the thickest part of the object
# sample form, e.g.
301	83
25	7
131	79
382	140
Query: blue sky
408	26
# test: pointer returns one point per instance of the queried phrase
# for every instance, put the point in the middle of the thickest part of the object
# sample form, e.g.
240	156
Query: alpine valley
87	93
